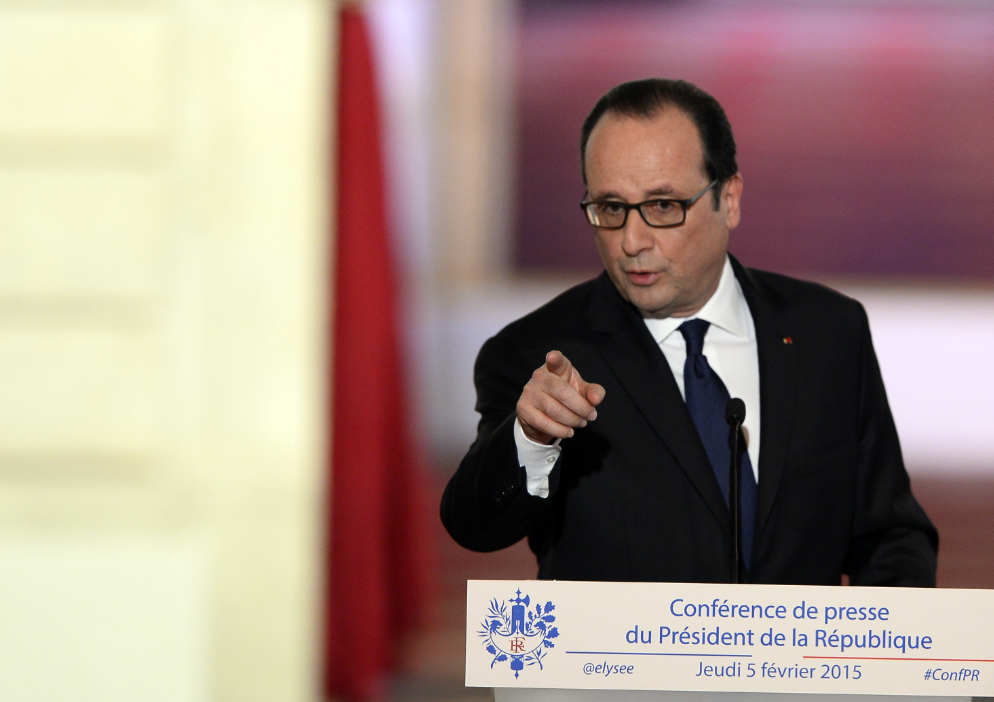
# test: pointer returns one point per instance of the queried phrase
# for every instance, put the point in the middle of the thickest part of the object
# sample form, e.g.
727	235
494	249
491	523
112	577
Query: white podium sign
730	638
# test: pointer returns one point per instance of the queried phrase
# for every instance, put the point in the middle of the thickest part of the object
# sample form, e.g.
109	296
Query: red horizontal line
870	658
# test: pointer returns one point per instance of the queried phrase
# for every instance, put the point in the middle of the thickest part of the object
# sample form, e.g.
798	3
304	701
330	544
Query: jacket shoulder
813	301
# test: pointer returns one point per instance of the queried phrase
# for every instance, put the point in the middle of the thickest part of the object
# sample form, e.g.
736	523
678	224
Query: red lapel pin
788	340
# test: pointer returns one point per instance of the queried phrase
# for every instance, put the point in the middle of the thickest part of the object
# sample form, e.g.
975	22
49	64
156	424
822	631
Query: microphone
735	412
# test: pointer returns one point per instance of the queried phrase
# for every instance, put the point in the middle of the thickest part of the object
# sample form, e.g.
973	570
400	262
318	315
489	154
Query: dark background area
864	132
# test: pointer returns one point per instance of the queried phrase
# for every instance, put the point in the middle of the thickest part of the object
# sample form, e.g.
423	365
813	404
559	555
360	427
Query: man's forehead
667	140
667	123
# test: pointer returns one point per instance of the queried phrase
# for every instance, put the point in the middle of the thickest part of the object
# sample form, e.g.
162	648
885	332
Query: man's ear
731	200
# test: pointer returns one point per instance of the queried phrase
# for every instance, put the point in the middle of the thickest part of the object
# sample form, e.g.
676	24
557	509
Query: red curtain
378	567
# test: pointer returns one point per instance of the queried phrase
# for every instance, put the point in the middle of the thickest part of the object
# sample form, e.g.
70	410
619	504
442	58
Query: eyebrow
662	191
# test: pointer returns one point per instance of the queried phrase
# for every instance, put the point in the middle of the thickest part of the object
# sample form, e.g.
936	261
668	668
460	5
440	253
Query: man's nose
636	235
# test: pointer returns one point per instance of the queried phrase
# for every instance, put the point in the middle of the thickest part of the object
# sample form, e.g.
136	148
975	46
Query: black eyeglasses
663	213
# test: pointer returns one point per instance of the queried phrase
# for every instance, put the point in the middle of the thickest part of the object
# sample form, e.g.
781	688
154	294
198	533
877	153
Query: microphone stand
735	415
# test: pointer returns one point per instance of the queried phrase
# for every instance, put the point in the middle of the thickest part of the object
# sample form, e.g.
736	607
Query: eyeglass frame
684	205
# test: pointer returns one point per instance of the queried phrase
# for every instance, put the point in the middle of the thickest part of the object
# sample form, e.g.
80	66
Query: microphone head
735	411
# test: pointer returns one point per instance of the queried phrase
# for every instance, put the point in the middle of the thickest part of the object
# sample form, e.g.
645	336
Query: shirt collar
726	309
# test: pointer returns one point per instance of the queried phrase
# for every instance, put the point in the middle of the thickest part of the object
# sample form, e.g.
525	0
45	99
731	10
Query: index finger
558	364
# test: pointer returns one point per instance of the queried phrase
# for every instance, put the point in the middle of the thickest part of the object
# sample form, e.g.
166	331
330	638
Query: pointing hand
556	400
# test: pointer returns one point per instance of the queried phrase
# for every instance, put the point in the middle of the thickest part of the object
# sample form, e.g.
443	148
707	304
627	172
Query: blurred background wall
162	265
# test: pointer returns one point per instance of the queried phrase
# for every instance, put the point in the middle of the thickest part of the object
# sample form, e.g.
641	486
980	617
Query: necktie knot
693	333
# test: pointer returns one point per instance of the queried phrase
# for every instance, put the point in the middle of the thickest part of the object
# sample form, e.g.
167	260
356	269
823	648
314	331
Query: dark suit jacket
633	496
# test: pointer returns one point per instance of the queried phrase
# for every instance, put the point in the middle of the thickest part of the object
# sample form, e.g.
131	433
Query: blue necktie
706	399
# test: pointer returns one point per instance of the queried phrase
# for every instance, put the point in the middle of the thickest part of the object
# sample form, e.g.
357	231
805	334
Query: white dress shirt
729	346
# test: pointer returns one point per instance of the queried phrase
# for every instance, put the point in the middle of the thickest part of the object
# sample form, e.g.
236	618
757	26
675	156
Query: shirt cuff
537	459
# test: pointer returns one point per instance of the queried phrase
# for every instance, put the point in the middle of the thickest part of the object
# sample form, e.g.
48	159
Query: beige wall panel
246	322
78	392
81	232
71	501
83	73
162	302
264	611
131	619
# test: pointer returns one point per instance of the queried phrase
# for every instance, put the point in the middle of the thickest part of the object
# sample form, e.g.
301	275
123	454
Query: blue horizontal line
646	653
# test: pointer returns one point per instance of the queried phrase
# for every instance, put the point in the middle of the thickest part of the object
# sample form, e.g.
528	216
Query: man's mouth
642	277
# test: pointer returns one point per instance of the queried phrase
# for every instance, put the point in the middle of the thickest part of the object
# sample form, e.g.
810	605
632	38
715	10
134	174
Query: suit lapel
640	366
777	388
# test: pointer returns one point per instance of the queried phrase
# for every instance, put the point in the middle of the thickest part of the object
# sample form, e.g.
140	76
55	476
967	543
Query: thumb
558	364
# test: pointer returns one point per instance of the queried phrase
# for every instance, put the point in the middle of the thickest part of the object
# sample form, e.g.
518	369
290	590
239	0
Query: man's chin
650	302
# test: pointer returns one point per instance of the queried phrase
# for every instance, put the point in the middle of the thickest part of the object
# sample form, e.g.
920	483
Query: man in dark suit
622	473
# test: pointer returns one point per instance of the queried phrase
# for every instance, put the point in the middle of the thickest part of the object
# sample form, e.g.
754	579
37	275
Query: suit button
508	491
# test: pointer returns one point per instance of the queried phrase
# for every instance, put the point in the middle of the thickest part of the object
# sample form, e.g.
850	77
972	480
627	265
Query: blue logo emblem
520	635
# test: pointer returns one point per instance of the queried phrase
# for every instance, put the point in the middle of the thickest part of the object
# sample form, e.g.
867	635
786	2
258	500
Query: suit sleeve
486	505
893	542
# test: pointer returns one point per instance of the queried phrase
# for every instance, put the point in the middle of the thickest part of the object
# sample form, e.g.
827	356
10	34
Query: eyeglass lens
659	213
